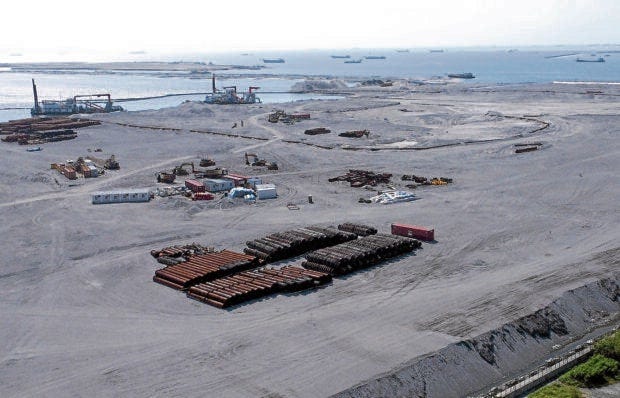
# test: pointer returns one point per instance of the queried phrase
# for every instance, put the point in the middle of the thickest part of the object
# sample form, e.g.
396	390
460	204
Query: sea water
275	80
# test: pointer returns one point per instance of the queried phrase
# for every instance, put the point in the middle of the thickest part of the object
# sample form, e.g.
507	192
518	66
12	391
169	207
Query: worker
242	123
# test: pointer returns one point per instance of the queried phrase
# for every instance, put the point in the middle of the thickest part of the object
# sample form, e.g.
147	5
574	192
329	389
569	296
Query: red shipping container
413	231
202	196
195	186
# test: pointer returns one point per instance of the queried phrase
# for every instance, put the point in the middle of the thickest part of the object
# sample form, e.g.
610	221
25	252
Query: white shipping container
266	191
218	185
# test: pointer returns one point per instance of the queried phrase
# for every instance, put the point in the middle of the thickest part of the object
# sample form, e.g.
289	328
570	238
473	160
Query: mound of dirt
467	366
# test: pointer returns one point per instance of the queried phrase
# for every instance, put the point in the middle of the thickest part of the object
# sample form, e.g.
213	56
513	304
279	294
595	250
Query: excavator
255	161
180	171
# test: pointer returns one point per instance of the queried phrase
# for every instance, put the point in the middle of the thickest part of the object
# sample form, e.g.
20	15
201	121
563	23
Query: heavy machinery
88	103
230	96
206	162
165	177
255	161
110	163
180	171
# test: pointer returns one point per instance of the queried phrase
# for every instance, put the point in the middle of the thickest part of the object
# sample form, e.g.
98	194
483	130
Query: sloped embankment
465	367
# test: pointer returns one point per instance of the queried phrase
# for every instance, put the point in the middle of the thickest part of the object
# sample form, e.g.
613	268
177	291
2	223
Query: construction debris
355	134
182	251
361	178
294	242
387	198
318	130
360	253
281	116
426	181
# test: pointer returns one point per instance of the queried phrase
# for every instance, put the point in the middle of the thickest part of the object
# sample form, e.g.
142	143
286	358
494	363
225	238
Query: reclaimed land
515	234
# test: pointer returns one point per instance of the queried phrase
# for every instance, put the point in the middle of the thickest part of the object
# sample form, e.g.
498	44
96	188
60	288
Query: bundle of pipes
249	285
294	242
34	125
204	267
361	253
358	229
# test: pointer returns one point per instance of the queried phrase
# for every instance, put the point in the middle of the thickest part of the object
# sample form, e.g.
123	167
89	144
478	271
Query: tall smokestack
213	83
37	110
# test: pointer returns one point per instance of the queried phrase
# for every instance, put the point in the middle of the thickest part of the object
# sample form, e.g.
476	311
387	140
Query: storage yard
509	191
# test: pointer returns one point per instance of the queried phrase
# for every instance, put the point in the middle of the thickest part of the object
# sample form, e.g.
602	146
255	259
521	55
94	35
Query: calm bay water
504	67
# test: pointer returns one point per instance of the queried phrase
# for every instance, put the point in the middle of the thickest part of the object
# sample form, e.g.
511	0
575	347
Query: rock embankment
468	366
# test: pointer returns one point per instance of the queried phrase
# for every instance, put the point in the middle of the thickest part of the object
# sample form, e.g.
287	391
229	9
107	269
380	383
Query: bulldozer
251	159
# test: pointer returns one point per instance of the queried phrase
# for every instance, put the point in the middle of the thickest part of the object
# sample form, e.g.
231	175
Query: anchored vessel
273	60
88	103
467	75
599	59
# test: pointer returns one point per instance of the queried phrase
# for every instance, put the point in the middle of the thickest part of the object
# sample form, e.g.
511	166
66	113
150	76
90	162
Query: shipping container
238	181
266	191
413	231
195	186
202	196
253	181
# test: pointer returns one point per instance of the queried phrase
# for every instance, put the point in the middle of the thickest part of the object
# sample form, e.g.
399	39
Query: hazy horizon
45	29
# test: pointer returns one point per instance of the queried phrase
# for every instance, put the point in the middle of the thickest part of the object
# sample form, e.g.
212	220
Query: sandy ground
80	315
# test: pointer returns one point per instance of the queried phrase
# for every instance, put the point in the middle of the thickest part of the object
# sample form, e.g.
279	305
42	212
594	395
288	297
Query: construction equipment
230	96
110	163
165	177
87	103
180	171
205	162
251	159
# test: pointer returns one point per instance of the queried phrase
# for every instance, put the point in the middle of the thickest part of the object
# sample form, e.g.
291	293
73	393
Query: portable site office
121	196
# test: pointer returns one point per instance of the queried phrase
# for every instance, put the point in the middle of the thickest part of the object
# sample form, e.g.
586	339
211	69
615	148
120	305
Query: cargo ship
340	56
353	61
467	75
273	60
599	59
375	57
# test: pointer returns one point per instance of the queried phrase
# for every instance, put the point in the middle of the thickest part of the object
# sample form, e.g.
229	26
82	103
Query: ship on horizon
599	59
340	56
375	57
273	60
466	75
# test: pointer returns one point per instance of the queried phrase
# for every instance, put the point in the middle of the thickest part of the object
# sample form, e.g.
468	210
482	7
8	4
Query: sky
113	26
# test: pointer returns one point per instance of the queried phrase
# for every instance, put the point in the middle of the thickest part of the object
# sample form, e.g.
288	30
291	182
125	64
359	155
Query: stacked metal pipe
361	253
357	229
249	285
294	242
204	267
